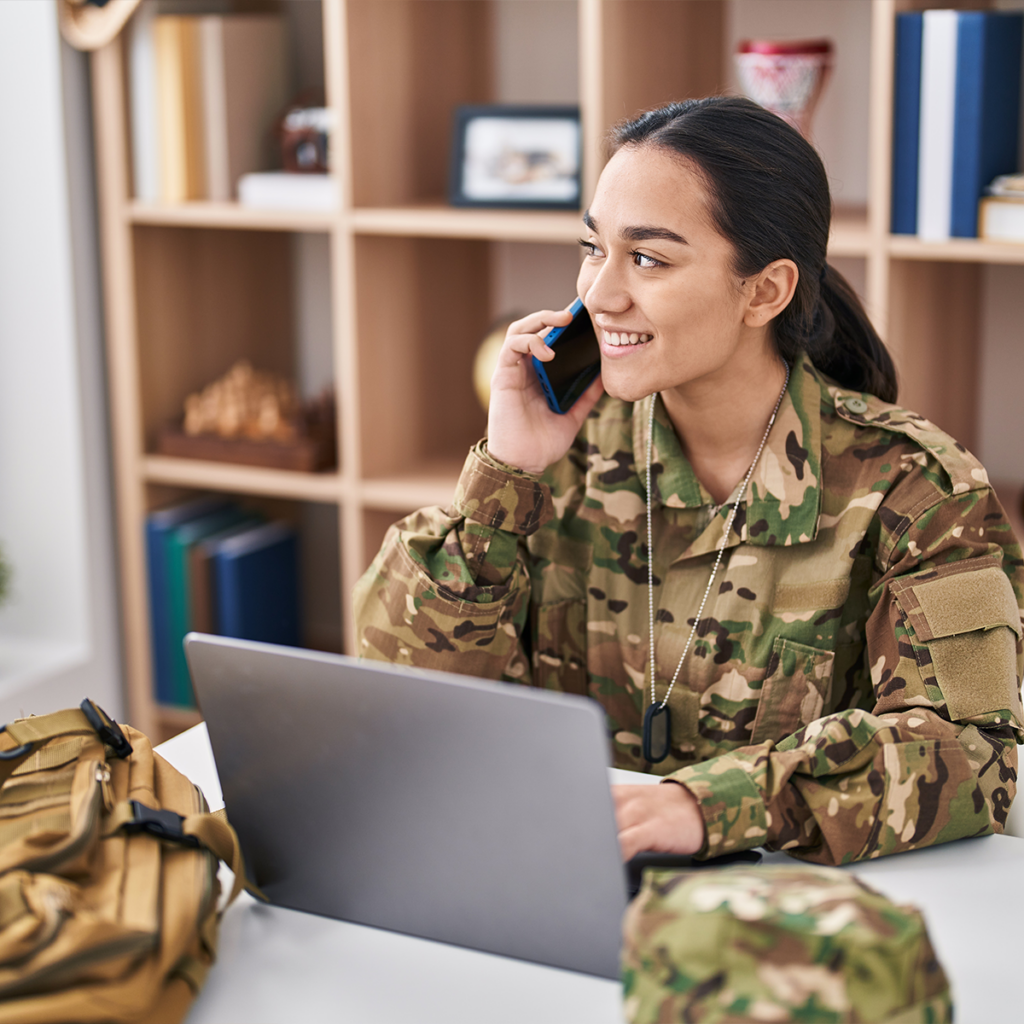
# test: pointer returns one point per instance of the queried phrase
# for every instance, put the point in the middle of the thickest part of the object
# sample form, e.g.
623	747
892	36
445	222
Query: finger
518	345
635	840
537	322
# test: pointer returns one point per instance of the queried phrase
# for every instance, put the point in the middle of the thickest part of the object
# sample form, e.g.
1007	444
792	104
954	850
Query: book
244	76
938	102
1001	219
257	585
201	582
179	108
180	541
905	123
144	112
284	190
159	524
986	132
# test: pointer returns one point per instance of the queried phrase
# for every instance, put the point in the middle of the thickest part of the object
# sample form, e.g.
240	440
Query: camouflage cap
776	943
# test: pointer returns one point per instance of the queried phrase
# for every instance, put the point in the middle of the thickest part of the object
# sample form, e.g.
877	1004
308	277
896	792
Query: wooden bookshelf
410	277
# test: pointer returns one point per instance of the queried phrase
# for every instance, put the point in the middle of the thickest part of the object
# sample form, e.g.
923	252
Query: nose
603	287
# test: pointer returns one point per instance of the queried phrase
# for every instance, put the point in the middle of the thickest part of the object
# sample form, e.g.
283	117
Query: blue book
906	122
256	576
158	527
986	120
178	547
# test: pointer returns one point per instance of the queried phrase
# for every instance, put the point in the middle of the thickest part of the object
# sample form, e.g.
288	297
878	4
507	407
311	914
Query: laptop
467	811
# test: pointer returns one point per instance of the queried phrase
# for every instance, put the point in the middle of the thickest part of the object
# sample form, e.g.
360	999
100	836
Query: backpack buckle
106	728
160	824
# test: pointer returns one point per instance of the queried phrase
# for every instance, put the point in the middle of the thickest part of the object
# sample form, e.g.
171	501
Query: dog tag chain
656	735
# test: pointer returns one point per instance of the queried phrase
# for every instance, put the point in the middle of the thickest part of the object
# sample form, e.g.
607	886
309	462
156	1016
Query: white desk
280	965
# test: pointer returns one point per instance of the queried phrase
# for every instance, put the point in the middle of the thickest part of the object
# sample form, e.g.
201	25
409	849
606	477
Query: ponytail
769	197
846	346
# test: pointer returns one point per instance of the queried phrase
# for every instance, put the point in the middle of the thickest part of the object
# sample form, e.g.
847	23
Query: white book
244	61
143	104
279	190
1001	220
938	103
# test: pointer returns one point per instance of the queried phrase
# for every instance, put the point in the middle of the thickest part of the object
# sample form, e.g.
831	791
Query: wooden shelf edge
229	215
956	250
440	221
224	476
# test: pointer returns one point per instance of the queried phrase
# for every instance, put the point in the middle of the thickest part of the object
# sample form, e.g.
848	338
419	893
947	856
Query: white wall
58	640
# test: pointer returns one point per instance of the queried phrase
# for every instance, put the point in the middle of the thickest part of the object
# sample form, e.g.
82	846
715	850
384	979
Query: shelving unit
193	286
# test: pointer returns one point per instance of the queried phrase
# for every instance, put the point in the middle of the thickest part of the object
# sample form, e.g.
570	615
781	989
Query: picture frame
516	157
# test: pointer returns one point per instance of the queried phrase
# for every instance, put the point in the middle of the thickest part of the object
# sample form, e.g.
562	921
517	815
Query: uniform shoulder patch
965	472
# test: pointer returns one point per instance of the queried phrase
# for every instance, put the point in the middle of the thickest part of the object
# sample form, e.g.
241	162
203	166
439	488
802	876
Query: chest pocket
796	689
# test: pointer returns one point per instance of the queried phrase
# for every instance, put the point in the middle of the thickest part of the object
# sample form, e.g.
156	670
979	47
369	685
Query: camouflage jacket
854	687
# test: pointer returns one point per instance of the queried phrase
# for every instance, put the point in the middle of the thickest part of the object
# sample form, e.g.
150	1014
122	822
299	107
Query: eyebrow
639	233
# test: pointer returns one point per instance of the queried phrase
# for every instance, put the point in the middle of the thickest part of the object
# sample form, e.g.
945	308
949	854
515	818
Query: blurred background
245	273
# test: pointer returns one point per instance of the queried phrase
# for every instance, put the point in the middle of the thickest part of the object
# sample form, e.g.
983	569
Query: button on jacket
854	687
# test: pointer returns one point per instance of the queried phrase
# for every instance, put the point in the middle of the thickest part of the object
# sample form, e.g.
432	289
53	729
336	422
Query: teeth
619	340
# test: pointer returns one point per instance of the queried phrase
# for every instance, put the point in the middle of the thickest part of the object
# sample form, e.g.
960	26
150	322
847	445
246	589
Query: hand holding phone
577	360
522	428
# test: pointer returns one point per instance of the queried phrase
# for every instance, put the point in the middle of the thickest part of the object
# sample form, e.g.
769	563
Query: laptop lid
471	812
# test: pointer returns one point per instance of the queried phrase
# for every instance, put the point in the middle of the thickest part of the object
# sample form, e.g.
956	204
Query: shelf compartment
225	476
410	63
956	250
423	308
934	338
440	221
228	215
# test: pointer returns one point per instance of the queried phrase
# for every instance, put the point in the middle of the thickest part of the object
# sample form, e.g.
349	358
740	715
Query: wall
58	640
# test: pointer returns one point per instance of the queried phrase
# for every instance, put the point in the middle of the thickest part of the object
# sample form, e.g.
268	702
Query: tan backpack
108	874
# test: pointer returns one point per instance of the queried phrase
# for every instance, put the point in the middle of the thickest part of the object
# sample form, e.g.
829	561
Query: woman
832	597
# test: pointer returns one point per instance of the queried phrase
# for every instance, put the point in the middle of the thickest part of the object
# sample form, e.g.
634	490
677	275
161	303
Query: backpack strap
211	831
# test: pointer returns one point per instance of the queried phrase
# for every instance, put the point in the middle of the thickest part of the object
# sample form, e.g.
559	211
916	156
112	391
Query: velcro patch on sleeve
967	617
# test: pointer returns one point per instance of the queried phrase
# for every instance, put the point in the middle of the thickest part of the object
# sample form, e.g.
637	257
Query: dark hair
770	199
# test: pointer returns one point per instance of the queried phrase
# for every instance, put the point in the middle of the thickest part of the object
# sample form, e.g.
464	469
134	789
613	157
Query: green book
179	597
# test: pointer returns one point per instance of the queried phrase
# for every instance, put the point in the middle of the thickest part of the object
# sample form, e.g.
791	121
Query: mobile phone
577	360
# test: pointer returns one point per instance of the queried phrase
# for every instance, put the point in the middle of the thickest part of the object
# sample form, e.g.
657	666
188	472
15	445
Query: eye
589	248
644	261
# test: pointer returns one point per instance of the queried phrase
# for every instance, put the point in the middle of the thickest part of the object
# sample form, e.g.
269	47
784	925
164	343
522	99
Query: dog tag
657	733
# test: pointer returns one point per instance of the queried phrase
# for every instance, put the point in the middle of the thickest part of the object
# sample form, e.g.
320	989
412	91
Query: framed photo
511	156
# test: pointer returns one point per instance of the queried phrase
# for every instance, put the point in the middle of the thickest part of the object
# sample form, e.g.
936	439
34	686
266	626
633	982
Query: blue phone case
580	384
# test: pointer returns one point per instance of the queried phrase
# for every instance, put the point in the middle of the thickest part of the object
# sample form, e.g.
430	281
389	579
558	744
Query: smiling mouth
619	340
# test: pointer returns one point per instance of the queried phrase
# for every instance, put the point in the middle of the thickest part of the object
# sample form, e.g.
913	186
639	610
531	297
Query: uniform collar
783	498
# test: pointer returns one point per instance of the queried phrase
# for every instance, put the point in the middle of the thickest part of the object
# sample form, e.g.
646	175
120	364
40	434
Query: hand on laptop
663	818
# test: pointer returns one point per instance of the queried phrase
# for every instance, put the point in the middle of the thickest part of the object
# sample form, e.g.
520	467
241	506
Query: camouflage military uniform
854	688
780	943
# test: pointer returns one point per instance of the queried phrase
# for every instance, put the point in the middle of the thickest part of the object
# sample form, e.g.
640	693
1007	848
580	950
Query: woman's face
658	278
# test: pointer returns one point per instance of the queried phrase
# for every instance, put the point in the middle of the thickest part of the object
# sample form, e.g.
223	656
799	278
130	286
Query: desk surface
283	965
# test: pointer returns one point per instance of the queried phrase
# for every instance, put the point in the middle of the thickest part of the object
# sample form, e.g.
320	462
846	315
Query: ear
772	292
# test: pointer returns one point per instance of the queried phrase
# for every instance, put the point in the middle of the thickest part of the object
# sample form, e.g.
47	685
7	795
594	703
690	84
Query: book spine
938	96
906	123
192	106
144	110
228	597
156	560
170	107
987	122
215	111
180	619
965	188
179	103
